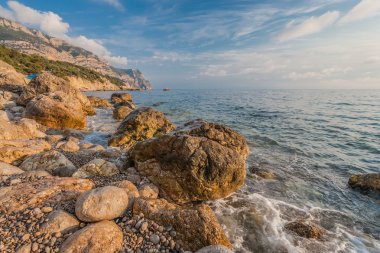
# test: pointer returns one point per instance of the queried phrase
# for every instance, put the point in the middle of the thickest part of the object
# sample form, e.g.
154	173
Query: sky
296	44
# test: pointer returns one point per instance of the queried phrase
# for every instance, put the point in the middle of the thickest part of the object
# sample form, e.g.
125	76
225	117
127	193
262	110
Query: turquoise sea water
313	140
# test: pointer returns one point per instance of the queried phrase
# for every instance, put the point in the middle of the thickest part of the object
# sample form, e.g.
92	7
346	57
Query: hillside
33	42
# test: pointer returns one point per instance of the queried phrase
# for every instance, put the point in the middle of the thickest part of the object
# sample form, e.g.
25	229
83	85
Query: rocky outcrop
46	84
97	167
190	168
7	169
29	193
141	124
99	102
56	110
101	237
121	112
118	98
365	182
51	161
16	150
196	227
105	203
305	229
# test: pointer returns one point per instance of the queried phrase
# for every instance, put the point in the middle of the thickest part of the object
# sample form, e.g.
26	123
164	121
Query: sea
312	140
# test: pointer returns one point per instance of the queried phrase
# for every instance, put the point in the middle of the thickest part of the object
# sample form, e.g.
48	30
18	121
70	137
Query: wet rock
148	191
105	203
214	249
121	112
97	167
16	150
117	98
60	221
99	102
141	124
365	182
189	168
41	190
7	169
261	172
305	229
46	83
196	226
101	237
51	161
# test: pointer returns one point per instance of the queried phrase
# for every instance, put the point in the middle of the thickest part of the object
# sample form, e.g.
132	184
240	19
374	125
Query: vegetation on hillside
29	64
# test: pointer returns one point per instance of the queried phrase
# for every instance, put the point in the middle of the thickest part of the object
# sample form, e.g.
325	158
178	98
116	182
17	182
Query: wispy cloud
115	3
364	9
52	24
309	26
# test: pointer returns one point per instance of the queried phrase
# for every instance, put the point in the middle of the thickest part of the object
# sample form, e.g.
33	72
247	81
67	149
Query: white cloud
309	26
53	25
115	3
364	9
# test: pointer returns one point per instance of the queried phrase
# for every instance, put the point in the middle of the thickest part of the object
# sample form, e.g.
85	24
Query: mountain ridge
34	42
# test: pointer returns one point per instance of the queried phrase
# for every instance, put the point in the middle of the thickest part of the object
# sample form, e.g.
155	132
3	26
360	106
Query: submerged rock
97	167
141	124
99	102
305	229
105	203
100	237
365	182
189	168
51	161
16	150
196	227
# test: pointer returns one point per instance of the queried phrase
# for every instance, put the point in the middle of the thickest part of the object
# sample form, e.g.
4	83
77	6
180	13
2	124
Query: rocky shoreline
143	193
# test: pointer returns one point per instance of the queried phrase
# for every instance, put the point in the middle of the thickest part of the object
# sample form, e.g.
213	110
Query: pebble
155	239
46	209
144	226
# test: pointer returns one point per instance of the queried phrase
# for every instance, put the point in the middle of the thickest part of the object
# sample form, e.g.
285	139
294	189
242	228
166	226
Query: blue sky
219	43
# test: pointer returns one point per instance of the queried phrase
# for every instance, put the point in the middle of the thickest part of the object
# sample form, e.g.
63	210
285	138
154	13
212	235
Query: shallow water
313	140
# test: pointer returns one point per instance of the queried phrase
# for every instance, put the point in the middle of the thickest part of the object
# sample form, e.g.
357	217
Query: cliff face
33	42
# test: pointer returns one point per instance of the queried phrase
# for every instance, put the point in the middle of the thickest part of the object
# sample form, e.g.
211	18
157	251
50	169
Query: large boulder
59	221
121	112
29	193
46	83
97	167
105	203
51	161
118	98
101	237
196	226
99	102
16	150
10	76
7	169
365	182
130	189
25	129
219	133
56	110
141	124
189	168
